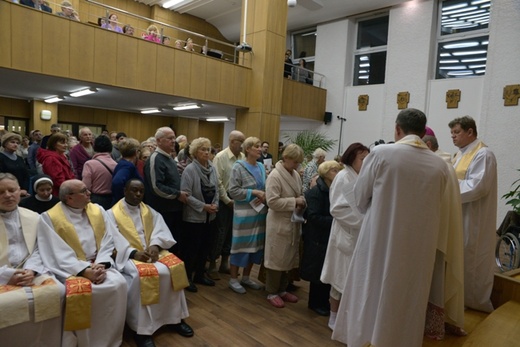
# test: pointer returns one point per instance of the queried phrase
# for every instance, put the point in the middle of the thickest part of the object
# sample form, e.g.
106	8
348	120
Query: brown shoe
214	275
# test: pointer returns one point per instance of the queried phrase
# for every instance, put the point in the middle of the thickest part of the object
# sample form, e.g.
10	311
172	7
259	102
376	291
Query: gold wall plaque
511	95
403	98
362	102
453	98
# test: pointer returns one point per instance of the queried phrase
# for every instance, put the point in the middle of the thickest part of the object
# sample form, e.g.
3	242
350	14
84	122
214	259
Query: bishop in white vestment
30	299
75	239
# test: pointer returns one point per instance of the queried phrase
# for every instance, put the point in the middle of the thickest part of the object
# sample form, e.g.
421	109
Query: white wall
410	65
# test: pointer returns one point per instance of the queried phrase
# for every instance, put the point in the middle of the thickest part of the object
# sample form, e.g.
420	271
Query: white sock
332	319
233	280
245	279
270	296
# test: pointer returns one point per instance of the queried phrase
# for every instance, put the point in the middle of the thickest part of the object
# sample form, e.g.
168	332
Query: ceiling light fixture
217	119
171	3
54	99
187	107
83	92
153	110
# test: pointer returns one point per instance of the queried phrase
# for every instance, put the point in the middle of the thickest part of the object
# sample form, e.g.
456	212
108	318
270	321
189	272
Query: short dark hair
120	134
264	142
127	183
465	123
412	121
102	144
352	151
54	139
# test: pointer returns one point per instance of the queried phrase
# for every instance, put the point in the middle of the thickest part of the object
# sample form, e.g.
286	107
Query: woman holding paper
247	189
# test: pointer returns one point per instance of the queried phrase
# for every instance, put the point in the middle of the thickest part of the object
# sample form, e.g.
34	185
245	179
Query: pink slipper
289	297
276	302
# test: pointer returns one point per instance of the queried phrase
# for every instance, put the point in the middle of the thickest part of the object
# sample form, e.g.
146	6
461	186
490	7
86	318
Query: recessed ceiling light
153	110
186	107
54	99
218	119
83	92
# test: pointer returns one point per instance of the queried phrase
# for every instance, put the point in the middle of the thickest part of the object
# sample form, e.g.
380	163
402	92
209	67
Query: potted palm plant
310	140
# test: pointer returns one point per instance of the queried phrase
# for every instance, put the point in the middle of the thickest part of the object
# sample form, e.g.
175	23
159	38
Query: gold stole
148	273
13	299
67	232
465	160
78	305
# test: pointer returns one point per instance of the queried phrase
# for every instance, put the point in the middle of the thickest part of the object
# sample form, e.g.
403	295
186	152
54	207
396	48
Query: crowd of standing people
390	231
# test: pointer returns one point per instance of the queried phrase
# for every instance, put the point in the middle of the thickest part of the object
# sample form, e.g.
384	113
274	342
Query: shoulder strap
105	165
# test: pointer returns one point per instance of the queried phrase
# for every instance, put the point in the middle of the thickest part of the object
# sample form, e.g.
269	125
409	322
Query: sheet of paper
256	204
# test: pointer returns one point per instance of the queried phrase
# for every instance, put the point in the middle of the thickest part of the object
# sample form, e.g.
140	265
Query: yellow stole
67	232
148	273
465	160
13	300
78	304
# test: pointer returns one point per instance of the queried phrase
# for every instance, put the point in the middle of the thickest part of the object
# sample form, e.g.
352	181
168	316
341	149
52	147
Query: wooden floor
221	317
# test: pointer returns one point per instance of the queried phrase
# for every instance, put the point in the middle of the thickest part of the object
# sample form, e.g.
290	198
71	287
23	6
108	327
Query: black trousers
319	295
196	242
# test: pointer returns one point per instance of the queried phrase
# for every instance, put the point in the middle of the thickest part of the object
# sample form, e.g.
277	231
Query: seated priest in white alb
155	277
30	300
76	244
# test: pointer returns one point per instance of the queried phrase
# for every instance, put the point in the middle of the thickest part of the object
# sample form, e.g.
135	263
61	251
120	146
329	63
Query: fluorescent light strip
478	2
83	92
473	60
54	99
468	53
154	110
461	10
448	61
218	119
460	73
186	107
477	66
461	45
448	8
459	67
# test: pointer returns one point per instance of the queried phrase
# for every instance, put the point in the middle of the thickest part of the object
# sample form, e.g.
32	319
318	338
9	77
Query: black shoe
321	311
192	288
183	329
144	340
204	281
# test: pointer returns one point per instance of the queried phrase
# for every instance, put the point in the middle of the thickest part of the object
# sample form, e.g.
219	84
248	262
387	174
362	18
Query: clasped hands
22	278
150	255
96	273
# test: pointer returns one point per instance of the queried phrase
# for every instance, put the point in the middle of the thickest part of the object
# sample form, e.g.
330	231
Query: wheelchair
507	251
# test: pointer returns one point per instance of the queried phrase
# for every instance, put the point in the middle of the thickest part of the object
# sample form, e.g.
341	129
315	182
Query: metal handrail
189	32
313	73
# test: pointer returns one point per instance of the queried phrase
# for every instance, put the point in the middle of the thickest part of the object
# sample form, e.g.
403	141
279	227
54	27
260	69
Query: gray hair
412	121
160	133
433	141
196	144
66	189
235	134
319	153
8	176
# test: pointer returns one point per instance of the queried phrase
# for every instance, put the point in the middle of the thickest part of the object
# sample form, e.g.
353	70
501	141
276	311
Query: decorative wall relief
453	98
403	98
362	102
511	95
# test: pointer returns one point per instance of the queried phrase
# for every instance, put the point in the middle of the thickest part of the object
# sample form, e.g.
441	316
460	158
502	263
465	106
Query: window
304	45
463	38
370	52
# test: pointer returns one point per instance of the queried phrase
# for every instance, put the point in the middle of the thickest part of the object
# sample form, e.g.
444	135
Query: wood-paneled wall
69	49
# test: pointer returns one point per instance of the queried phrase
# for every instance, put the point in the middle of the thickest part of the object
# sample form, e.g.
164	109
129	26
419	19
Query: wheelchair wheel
507	253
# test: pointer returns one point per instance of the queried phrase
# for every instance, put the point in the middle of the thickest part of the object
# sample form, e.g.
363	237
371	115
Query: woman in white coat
284	196
345	226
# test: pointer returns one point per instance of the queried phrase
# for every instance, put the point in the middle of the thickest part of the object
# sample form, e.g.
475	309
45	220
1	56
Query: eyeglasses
83	191
204	149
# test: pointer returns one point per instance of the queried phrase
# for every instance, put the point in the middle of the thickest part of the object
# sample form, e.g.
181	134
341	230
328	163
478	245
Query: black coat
316	231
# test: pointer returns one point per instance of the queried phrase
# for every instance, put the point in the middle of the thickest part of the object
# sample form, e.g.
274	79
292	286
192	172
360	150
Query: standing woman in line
315	237
345	226
284	196
199	181
247	187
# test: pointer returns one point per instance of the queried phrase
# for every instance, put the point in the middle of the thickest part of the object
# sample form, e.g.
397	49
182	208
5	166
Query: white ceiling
224	14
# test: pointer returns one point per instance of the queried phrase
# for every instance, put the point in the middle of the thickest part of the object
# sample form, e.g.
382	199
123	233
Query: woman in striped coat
247	189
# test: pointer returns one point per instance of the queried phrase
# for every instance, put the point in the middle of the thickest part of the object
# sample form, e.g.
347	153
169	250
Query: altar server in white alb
157	298
76	244
30	300
402	189
476	169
